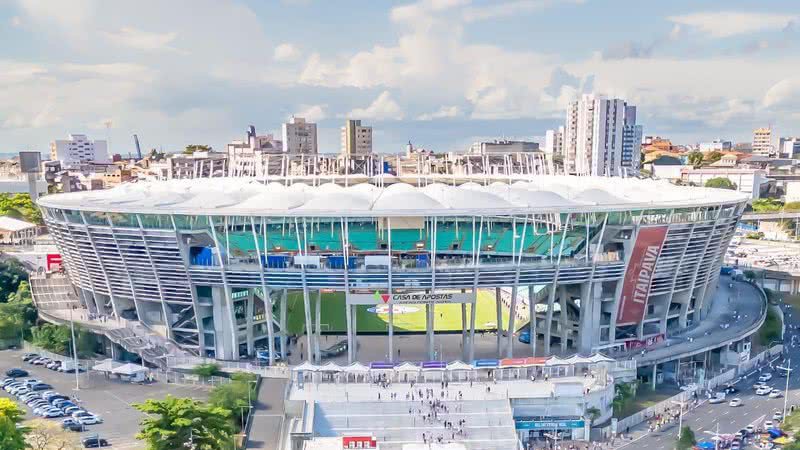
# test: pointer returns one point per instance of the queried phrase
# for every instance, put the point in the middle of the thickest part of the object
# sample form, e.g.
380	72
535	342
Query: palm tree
592	414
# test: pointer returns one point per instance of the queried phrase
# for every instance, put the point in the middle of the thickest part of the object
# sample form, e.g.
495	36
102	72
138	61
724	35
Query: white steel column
102	266
498	301
284	300
347	313
532	323
318	320
551	299
228	296
155	274
267	297
389	274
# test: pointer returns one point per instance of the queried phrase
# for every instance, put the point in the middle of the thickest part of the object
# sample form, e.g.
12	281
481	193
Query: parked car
29	356
337	349
89	420
72	425
94	442
16	373
40	387
735	402
765	377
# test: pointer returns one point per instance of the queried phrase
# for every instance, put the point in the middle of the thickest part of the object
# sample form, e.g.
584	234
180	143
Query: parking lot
111	399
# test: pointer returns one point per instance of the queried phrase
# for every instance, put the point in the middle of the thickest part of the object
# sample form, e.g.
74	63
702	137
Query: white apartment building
356	139
77	150
601	137
762	142
717	145
788	147
554	141
748	181
254	144
299	137
502	146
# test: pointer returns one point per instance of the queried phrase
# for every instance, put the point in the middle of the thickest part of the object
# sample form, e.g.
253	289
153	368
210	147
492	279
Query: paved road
265	432
707	419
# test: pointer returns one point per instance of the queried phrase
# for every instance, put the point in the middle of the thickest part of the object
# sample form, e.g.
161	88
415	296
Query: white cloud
783	93
509	8
724	24
441	113
15	21
312	113
383	108
286	52
140	39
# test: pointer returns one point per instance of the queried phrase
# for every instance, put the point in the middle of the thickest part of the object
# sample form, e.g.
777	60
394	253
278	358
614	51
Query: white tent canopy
330	367
306	367
407	367
356	367
129	369
458	365
107	365
599	357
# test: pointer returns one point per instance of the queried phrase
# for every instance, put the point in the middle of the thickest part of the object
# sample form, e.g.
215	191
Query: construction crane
138	149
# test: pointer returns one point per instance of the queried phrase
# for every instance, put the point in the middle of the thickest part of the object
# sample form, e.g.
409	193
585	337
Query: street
708	419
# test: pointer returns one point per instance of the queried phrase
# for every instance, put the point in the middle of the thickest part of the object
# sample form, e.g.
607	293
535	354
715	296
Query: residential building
749	181
356	139
16	232
788	147
598	139
78	150
196	165
631	141
717	145
299	137
554	141
502	146
762	142
728	160
254	144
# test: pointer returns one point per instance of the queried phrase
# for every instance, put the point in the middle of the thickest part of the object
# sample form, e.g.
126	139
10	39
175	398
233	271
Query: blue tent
775	433
705	445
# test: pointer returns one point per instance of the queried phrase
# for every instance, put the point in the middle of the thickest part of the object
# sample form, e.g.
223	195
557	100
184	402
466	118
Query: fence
187	362
639	417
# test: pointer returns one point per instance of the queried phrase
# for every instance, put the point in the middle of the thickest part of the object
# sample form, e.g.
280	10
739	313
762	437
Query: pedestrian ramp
487	425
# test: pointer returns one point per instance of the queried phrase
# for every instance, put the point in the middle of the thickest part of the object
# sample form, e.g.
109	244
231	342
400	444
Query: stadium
234	267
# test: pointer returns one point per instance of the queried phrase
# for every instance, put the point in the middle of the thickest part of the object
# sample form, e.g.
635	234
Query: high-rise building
762	142
300	137
554	141
788	147
356	139
77	150
601	137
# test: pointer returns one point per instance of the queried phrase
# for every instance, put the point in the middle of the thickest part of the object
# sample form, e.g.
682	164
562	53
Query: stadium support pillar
464	353
548	326
284	301
472	309
391	331
354	311
563	316
309	327
498	297
512	312
653	378
318	320
348	315
532	323
429	329
249	308
588	325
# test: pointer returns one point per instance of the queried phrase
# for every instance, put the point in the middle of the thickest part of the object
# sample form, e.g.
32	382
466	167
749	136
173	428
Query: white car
775	394
764	390
720	398
768	424
778	416
735	402
89	420
765	377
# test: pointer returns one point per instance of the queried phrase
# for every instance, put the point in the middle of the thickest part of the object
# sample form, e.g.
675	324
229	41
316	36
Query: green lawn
446	318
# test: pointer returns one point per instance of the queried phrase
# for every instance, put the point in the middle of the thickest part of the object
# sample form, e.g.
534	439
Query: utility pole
788	370
74	350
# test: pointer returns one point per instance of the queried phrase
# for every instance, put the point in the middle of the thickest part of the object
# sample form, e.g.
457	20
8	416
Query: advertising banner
382	296
643	343
552	425
639	274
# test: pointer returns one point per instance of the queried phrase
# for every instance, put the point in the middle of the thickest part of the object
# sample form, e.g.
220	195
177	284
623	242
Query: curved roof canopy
543	194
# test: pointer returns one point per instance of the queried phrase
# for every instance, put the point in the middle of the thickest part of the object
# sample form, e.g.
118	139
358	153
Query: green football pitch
447	317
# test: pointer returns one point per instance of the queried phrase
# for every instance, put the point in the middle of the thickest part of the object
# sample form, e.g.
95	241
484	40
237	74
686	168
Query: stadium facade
608	263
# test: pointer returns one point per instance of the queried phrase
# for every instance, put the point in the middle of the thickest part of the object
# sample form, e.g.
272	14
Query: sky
438	73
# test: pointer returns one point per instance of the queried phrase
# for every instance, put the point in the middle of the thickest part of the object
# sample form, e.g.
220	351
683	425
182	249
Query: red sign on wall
643	343
359	442
639	274
53	262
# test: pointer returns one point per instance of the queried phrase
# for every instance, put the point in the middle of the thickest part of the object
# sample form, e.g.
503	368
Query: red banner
639	274
643	343
53	261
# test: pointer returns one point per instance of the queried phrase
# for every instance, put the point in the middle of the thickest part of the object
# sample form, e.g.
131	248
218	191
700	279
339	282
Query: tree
749	275
11	275
686	439
206	370
191	148
695	159
764	205
623	392
46	435
172	422
20	206
712	157
58	339
721	183
235	395
592	414
11	437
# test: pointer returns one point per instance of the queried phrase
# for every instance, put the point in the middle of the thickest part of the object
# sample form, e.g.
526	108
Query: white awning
599	357
356	367
331	367
106	365
407	367
458	365
555	361
306	367
129	369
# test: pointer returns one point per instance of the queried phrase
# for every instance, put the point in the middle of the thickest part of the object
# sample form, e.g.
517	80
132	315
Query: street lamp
74	349
786	392
680	415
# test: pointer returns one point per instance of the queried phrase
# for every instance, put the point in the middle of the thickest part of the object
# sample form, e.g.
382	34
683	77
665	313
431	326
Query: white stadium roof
544	194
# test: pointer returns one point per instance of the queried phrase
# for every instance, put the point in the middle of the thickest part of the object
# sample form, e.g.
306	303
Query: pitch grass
446	318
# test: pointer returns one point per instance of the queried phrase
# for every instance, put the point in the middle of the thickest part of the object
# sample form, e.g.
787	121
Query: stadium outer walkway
268	416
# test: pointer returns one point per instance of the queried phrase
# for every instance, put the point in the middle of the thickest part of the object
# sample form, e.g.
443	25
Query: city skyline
409	70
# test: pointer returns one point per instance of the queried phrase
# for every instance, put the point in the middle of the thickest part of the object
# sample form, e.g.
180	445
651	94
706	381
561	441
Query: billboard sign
639	274
380	297
525	423
644	343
